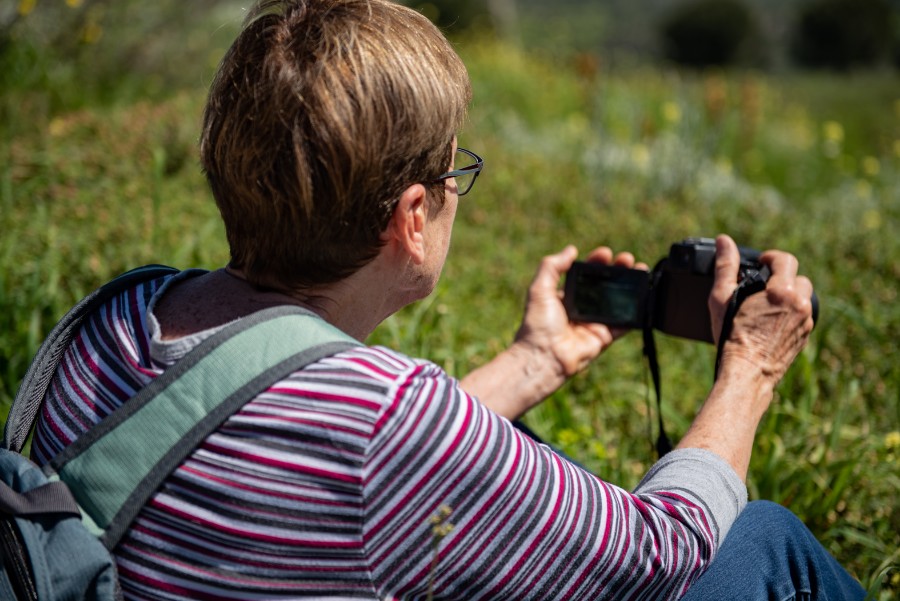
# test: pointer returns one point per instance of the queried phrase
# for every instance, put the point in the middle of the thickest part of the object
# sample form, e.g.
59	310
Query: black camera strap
754	281
663	444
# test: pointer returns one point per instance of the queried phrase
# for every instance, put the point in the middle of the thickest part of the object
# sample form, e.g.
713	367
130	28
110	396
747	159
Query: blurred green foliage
98	174
108	51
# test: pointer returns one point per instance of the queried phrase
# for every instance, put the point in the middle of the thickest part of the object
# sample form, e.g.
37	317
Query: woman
329	144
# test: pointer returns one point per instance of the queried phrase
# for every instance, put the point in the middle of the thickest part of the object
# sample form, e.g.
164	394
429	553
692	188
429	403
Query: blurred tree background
146	48
771	34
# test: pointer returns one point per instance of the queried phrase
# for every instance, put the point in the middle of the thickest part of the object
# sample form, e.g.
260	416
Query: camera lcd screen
606	294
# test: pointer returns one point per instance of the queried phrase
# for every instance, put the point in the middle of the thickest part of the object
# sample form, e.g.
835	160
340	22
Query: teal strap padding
112	472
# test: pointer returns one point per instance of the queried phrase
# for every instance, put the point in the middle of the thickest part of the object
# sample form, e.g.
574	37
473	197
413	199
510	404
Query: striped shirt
325	487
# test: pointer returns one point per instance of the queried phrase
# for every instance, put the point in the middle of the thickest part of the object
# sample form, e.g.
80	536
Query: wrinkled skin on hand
772	326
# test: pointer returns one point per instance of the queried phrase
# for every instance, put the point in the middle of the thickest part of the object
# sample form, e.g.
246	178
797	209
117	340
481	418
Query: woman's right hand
769	331
771	327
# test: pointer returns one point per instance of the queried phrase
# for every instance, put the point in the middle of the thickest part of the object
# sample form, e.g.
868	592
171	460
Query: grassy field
97	179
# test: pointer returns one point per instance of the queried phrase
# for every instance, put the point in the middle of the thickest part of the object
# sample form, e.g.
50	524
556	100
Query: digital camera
672	298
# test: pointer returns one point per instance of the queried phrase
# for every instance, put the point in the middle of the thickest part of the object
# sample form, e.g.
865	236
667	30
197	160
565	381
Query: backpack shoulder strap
30	395
116	466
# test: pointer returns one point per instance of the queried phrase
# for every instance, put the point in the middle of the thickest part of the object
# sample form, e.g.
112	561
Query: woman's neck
224	295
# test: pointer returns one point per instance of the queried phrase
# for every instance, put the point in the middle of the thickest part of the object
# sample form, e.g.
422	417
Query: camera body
672	298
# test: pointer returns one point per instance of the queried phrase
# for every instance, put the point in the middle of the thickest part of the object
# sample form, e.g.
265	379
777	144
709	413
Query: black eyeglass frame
470	170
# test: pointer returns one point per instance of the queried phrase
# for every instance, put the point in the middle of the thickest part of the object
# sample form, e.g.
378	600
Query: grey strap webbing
30	395
114	468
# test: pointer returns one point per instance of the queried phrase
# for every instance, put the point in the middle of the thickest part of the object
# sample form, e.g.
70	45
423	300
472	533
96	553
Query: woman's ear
407	225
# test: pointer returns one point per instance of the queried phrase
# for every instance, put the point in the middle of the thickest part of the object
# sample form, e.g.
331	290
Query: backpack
59	523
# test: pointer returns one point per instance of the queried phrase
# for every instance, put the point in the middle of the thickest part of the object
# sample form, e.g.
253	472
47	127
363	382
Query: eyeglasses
466	176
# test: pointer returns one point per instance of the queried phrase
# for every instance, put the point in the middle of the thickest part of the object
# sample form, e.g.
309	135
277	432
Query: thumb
728	263
551	269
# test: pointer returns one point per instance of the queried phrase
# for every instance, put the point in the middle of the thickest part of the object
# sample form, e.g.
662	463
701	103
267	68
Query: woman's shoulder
107	361
383	362
370	382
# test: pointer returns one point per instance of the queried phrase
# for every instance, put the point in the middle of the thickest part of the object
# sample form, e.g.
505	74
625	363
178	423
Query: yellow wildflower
640	156
57	127
440	527
91	33
671	112
598	449
833	134
871	166
26	6
892	440
568	437
871	219
833	131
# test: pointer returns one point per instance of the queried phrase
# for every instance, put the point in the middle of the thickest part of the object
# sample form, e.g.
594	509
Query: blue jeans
769	554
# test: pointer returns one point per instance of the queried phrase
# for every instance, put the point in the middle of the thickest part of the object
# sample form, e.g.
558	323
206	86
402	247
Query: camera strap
663	444
754	281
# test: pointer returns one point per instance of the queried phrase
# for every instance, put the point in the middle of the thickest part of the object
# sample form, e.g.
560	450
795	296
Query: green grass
93	183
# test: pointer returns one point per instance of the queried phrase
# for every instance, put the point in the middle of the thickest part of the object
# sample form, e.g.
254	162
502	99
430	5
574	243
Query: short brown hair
321	114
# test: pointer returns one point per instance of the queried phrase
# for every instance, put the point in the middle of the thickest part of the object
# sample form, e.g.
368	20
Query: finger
782	284
551	269
602	254
784	265
728	262
804	288
785	285
624	259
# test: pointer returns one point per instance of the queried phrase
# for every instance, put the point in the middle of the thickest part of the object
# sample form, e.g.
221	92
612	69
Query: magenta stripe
324	396
248	533
274	559
261	490
285	465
